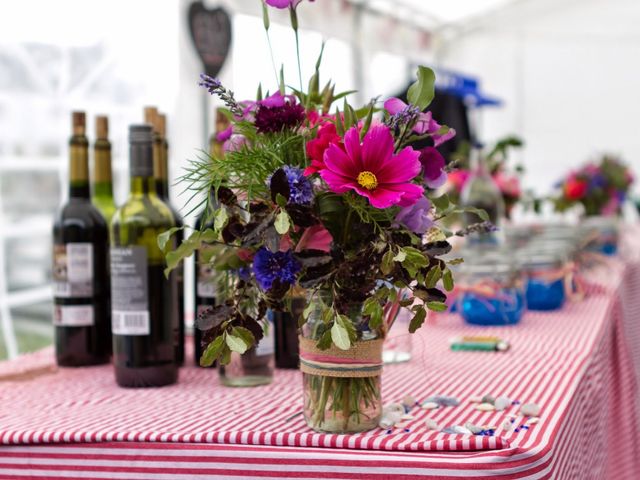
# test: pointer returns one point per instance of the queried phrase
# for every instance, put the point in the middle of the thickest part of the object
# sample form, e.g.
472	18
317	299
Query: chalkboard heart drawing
211	34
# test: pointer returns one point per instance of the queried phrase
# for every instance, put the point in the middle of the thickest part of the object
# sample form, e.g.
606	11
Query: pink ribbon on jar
574	284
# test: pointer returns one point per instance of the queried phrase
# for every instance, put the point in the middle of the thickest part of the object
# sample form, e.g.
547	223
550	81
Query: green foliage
421	93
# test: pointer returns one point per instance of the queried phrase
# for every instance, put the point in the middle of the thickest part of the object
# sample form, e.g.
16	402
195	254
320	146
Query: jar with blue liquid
603	234
491	293
546	274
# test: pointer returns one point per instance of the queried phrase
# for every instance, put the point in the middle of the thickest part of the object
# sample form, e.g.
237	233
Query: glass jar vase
254	367
341	388
547	274
490	293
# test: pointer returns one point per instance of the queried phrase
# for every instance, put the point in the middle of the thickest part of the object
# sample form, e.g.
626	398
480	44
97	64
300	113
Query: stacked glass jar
603	234
491	290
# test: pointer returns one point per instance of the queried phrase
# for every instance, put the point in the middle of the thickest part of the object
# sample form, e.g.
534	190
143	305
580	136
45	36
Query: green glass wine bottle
102	194
143	300
80	256
161	174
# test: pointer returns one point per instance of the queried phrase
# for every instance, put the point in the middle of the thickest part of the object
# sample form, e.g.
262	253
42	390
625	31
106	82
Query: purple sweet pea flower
437	138
433	167
225	135
416	217
234	143
283	3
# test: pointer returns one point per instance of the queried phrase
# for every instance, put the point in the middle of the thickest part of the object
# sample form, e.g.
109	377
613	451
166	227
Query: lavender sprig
405	117
215	87
482	227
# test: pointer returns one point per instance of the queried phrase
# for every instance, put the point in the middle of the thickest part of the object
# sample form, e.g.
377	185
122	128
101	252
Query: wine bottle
143	300
480	191
285	325
102	194
205	291
216	146
161	175
80	253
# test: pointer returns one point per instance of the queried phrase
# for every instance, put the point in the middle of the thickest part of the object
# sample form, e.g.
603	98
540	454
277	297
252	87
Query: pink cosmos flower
372	170
425	123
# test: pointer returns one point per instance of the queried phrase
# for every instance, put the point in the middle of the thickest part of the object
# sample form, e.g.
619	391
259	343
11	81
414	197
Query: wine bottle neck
142	186
102	162
79	167
161	167
478	165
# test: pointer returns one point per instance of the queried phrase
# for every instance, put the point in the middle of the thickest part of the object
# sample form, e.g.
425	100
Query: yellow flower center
367	180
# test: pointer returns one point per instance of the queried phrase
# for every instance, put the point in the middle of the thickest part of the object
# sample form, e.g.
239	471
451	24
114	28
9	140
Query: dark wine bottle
285	325
143	300
80	256
102	192
204	279
161	175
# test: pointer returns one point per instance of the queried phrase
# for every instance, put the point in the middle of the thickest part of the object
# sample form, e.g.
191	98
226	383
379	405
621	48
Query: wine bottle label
206	287
73	270
266	346
73	316
129	291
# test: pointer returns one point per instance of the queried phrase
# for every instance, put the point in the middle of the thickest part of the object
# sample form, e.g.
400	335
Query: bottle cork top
222	122
102	127
151	117
162	124
78	122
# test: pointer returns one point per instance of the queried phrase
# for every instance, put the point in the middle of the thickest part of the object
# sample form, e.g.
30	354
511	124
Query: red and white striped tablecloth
576	364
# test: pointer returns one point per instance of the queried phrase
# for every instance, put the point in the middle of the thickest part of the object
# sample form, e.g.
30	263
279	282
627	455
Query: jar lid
535	260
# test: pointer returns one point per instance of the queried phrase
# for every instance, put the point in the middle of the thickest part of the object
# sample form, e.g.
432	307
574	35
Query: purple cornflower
300	191
269	267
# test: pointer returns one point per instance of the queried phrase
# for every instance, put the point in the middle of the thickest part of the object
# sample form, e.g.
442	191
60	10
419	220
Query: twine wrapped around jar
363	359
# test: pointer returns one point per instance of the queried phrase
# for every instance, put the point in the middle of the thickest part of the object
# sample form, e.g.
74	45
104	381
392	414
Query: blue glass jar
602	233
491	294
545	273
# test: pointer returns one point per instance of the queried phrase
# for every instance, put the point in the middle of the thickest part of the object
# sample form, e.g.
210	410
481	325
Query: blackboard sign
211	34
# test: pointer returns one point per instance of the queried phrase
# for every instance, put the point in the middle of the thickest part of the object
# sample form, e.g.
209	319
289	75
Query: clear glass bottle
255	366
480	191
340	403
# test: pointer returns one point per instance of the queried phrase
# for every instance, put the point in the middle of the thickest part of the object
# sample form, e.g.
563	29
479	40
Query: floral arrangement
326	198
507	179
600	187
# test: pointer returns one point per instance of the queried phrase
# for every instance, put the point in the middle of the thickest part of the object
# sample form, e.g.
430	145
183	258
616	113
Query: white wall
569	73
